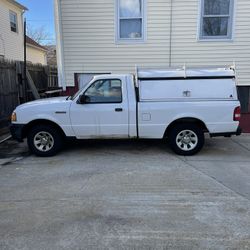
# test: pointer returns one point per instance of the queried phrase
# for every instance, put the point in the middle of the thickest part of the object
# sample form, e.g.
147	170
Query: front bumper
16	131
228	134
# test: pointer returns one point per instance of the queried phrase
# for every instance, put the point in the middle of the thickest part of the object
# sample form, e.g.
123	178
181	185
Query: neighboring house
36	53
115	35
11	30
51	55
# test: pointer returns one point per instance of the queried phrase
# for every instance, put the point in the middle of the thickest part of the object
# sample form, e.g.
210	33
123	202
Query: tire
186	139
44	140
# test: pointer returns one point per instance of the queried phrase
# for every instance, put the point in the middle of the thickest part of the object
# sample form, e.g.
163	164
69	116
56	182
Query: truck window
105	91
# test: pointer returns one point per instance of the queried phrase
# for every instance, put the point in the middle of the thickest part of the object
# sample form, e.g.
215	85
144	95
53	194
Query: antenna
235	71
233	66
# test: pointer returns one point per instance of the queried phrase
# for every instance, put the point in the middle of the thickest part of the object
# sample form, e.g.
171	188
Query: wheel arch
191	120
33	123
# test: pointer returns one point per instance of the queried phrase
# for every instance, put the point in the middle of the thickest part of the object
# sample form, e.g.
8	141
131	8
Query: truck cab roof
110	76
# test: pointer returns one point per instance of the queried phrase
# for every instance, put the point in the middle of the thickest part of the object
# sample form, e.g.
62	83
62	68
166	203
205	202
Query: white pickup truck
178	104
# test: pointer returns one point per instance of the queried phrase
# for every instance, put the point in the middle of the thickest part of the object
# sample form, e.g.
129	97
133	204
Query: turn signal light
237	114
13	117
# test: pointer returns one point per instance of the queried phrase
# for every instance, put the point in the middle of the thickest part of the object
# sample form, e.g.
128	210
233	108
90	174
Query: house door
84	78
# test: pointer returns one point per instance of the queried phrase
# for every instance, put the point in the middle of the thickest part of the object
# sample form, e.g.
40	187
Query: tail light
237	114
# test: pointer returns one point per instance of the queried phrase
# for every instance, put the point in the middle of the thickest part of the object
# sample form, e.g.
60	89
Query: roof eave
22	7
36	47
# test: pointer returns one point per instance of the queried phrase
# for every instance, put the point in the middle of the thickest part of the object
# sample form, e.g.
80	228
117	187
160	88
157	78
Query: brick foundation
245	122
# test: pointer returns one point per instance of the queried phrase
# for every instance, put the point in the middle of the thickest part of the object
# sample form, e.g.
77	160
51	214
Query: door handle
118	110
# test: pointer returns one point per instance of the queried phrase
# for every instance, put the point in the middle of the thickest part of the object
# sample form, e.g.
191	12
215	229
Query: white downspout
3	46
59	44
170	33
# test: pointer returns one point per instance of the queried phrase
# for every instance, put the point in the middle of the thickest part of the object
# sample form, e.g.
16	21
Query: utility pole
25	61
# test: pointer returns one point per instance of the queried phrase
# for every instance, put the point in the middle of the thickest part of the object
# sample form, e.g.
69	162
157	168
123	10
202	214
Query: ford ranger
179	105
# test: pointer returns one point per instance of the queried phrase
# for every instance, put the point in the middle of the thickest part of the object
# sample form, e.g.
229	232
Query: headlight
13	117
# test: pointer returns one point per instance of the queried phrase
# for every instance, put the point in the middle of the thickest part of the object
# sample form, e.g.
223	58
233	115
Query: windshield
79	91
76	94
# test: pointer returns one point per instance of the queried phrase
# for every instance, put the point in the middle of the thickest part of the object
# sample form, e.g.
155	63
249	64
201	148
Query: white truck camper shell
184	84
186	72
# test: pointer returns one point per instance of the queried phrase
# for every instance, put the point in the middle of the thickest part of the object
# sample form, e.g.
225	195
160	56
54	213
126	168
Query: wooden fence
14	90
9	94
52	77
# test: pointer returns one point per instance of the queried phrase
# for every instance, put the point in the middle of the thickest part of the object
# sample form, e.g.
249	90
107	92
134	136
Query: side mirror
83	99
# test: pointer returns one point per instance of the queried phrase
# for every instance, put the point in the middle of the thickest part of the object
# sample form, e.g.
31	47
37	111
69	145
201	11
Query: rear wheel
44	140
186	139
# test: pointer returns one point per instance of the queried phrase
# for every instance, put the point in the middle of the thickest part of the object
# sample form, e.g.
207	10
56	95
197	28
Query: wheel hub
43	141
187	140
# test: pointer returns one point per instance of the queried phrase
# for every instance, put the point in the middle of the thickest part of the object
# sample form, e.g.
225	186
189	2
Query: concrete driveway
126	195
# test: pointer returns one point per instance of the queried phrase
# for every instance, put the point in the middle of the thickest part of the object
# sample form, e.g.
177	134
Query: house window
13	21
130	20
216	19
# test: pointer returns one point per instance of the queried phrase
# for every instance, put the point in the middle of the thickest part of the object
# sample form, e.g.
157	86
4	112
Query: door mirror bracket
83	99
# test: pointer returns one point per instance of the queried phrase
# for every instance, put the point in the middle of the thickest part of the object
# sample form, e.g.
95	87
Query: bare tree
38	34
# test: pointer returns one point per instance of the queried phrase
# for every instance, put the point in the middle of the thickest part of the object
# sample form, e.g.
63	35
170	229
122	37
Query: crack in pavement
12	160
239	144
213	178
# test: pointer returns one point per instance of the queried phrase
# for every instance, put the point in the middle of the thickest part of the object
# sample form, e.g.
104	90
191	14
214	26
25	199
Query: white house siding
88	35
11	43
35	55
186	48
88	28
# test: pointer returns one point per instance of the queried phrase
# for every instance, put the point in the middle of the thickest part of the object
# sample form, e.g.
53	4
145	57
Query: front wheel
186	139
44	140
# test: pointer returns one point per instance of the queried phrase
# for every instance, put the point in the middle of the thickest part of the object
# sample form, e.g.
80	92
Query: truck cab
107	107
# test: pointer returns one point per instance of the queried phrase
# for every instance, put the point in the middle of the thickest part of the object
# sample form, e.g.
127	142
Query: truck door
104	111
